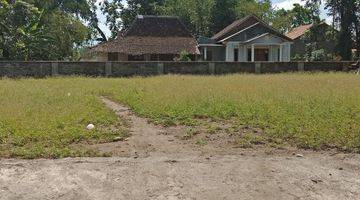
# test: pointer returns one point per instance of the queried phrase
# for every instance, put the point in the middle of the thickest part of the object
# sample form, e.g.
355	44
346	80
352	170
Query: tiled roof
245	23
152	35
149	45
298	31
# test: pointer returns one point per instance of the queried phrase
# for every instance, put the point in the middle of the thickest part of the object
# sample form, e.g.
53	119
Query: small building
298	35
246	40
150	38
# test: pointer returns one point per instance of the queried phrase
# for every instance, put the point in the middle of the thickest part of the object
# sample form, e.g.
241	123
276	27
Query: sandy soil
156	163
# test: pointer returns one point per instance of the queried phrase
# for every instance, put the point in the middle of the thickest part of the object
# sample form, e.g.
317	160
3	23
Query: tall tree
138	7
304	15
223	14
346	14
48	32
196	14
262	9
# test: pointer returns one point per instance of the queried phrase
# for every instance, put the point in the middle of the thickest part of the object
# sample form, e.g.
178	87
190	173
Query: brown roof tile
244	23
149	45
152	35
298	31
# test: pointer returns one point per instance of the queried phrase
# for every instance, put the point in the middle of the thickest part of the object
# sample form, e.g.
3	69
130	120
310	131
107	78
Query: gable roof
298	31
301	30
152	35
158	26
243	24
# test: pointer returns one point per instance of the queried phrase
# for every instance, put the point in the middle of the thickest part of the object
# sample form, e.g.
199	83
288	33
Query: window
249	55
236	55
113	56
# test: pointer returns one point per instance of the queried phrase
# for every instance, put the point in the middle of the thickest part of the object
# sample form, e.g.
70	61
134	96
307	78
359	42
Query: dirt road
155	164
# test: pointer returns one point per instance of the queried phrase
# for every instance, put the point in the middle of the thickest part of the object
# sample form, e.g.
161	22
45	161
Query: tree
112	10
346	14
303	15
223	14
138	7
46	32
262	9
196	14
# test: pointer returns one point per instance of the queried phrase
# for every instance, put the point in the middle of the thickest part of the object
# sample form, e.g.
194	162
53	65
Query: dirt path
154	163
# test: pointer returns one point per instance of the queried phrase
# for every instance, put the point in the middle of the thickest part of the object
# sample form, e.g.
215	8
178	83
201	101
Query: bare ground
157	163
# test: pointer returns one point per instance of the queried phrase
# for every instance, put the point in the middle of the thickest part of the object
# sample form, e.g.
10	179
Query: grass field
46	118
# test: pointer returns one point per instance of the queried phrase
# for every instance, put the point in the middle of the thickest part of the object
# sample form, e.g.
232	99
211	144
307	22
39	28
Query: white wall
286	55
230	52
274	53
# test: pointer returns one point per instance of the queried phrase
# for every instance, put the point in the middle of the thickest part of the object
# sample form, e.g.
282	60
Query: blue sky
286	4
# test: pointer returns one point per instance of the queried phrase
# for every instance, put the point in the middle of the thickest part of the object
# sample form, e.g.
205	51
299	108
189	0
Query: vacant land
47	117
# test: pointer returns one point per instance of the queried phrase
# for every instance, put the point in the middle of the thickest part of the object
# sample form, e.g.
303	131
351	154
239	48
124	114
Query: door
261	54
236	55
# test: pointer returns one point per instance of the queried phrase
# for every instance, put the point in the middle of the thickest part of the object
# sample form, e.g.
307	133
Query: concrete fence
121	69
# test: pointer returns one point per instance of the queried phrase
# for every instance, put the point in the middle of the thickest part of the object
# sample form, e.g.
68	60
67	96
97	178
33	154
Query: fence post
108	68
160	68
54	68
212	68
257	68
301	66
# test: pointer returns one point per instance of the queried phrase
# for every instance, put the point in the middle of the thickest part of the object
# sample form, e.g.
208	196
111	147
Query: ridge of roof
158	26
235	28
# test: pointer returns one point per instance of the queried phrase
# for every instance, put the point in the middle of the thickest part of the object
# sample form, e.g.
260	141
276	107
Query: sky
286	4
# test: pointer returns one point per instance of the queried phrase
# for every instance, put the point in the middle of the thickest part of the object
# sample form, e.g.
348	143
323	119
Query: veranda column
281	53
252	53
205	53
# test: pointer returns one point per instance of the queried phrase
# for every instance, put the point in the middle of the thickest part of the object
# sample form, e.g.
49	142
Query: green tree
46	32
262	9
346	14
223	14
196	14
138	7
303	15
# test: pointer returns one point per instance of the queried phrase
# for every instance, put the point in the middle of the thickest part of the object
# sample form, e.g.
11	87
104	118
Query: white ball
90	127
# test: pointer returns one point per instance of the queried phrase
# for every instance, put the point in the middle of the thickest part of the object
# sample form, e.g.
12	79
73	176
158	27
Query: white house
246	40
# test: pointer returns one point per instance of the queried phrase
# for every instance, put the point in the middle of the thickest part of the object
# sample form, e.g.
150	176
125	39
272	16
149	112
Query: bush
184	56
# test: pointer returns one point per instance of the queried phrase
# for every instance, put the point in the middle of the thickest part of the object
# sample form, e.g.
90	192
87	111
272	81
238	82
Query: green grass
48	118
318	111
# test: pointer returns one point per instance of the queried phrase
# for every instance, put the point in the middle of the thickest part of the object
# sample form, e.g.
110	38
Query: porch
277	52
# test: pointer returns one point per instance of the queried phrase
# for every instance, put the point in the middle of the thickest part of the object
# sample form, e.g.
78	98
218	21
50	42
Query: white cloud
288	4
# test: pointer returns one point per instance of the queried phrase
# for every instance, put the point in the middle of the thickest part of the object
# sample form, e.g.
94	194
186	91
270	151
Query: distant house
247	39
298	35
150	38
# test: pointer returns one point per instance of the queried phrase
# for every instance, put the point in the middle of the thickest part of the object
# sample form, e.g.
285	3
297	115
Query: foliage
113	9
346	13
318	55
138	7
262	9
195	13
184	56
316	38
223	14
31	30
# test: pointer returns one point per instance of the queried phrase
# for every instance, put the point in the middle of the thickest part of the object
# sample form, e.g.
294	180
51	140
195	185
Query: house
298	35
247	39
150	38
